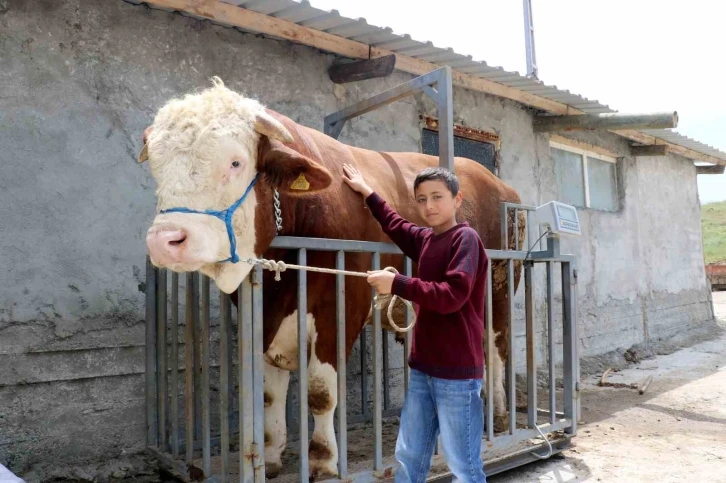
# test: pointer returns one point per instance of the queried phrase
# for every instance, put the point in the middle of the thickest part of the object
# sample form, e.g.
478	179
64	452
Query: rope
549	446
280	266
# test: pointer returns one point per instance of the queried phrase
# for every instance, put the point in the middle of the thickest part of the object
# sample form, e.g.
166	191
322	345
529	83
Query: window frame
470	133
586	180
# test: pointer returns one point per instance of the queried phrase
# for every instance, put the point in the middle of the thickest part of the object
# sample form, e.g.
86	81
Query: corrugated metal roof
301	12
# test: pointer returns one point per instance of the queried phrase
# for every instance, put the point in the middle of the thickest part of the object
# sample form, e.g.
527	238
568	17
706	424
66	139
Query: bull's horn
272	128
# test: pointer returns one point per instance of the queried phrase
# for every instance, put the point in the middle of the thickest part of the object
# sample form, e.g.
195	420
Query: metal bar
197	359
531	355
446	118
342	369
569	338
189	367
224	385
386	378
490	350
233	402
258	371
516	229
325	244
408	270
503	212
511	386
246	388
151	361
333	123
551	341
302	342
364	372
206	426
174	392
161	312
377	353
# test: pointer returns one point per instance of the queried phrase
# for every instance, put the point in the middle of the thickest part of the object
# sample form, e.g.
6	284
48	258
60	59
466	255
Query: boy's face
436	204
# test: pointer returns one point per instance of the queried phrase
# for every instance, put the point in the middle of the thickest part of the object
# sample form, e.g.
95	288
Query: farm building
81	80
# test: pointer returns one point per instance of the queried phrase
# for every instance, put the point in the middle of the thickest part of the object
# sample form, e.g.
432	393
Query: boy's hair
438	174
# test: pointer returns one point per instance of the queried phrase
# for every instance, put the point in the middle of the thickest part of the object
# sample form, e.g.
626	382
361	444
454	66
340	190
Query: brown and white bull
207	150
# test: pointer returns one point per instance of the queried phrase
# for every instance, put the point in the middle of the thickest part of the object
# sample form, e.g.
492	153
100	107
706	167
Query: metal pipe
258	371
197	359
377	354
246	388
161	309
174	392
490	350
551	341
189	366
151	361
224	385
342	367
516	229
512	387
446	118
503	216
206	401
386	378
569	335
364	372
531	347
302	341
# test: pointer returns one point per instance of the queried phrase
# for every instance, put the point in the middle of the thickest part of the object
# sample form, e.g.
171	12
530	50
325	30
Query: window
585	179
479	146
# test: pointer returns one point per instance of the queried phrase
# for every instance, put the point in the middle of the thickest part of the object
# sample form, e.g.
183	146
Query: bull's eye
235	164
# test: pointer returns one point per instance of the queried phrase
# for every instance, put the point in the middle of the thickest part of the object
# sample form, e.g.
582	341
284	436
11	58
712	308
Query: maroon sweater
449	294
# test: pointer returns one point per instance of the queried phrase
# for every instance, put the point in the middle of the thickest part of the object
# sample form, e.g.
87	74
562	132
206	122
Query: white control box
559	218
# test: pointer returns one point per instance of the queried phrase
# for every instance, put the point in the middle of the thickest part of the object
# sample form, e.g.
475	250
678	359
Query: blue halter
225	216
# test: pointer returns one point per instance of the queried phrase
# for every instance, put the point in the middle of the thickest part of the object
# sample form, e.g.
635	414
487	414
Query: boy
447	355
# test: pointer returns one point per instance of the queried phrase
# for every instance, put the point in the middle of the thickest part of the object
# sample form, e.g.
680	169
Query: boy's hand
355	180
382	281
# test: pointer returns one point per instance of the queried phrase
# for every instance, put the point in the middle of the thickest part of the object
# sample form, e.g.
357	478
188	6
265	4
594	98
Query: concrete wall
79	81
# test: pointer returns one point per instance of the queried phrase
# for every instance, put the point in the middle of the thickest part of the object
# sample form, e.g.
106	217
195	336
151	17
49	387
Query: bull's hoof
501	423
272	470
322	469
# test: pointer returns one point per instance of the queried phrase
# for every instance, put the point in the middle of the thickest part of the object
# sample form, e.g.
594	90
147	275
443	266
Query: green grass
713	222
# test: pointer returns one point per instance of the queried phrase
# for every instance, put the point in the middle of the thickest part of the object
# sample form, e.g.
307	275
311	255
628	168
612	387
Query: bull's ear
144	154
268	126
289	171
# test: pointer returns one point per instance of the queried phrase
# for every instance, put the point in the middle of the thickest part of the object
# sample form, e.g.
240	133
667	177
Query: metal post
364	372
529	40
206	426
408	269
258	371
302	341
503	216
569	338
490	350
151	361
551	341
386	378
377	354
161	306
511	384
189	367
174	364
342	369
446	118
246	382
224	385
197	358
531	347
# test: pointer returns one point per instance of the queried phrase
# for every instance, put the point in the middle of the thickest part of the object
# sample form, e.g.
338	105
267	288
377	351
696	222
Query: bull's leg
276	385
322	400
501	415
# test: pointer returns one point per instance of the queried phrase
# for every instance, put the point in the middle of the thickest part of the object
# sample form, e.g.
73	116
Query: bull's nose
166	244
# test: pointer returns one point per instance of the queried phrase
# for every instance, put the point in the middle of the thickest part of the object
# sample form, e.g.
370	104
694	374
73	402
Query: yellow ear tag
301	183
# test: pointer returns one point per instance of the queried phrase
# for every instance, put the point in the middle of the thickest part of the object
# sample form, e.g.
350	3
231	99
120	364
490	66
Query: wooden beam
609	121
255	22
713	169
555	138
362	69
651	150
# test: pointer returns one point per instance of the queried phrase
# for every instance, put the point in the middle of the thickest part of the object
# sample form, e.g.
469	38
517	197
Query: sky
633	56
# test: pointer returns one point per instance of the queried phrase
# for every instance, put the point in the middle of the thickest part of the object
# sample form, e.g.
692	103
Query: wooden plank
609	121
362	69
714	169
275	27
652	150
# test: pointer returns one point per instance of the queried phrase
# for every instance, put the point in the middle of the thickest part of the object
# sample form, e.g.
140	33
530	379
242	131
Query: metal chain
278	212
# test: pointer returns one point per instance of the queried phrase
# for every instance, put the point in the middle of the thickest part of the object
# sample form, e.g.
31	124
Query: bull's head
216	157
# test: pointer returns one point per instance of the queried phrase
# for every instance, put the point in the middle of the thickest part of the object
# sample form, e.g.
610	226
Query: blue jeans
453	408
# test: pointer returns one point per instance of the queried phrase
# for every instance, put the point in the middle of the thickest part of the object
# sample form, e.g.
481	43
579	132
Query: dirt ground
676	431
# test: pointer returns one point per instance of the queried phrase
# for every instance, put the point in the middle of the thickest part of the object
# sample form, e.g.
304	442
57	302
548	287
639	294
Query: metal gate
206	416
